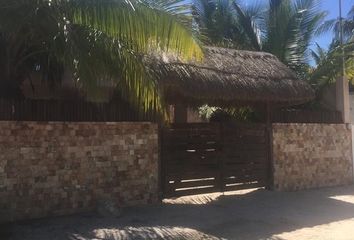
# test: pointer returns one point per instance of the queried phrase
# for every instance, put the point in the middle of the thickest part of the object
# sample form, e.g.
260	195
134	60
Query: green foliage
284	28
291	27
100	41
241	114
218	24
329	65
329	62
206	111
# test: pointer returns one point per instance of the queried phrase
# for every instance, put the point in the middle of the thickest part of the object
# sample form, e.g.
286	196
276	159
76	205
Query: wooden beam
270	184
180	113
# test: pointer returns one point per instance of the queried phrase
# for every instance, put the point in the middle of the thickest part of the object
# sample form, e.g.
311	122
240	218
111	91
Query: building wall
49	169
353	148
351	104
311	156
186	115
328	97
193	116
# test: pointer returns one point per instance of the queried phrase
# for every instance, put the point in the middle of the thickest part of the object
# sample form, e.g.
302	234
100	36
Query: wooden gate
207	157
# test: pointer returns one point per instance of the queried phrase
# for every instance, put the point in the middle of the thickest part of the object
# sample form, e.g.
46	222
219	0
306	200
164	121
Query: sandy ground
326	214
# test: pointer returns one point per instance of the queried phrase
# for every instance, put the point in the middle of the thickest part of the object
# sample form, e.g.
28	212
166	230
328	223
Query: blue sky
332	7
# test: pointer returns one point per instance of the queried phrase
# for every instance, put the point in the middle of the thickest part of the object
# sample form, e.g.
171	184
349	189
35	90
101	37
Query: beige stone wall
351	102
51	169
311	156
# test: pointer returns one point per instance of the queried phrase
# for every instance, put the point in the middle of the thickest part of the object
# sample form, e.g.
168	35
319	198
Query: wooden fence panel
245	156
306	116
205	157
75	111
190	158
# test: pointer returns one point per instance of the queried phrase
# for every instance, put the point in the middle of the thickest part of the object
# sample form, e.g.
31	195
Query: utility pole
341	36
342	86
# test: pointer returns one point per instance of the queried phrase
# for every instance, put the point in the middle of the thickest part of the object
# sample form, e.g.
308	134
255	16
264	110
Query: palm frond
291	27
326	27
248	21
173	7
278	24
319	54
330	64
133	22
100	41
334	26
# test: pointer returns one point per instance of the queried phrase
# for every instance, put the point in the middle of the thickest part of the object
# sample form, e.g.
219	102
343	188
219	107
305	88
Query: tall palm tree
334	25
284	28
329	62
99	41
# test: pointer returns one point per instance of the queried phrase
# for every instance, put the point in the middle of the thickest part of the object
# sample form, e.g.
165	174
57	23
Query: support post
180	113
161	166
270	185
342	98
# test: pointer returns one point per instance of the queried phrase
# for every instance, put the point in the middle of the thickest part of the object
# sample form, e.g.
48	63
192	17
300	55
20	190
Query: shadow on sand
255	215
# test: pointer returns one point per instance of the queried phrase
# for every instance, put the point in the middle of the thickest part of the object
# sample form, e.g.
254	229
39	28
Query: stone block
65	167
311	156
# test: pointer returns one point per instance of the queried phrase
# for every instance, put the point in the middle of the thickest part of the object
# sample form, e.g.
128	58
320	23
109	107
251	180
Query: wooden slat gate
206	157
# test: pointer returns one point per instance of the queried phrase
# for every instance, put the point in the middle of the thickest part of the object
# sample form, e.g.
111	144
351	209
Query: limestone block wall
49	169
311	156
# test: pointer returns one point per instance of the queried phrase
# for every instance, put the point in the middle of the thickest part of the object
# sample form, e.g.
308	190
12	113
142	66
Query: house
228	78
59	159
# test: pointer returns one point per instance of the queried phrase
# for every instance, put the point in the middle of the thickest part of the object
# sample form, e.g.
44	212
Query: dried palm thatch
229	77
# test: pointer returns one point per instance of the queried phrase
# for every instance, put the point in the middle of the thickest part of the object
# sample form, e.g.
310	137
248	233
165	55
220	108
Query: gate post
221	158
161	174
269	129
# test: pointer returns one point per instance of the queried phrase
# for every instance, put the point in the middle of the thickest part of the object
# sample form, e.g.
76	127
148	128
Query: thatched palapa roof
228	76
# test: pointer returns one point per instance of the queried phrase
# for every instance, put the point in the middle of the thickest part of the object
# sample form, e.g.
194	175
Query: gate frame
268	184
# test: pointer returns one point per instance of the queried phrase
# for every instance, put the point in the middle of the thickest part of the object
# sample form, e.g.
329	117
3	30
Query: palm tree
284	28
319	54
335	26
329	64
98	41
217	23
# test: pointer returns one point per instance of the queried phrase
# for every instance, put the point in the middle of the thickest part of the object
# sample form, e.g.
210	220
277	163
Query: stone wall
49	169
351	103
311	156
